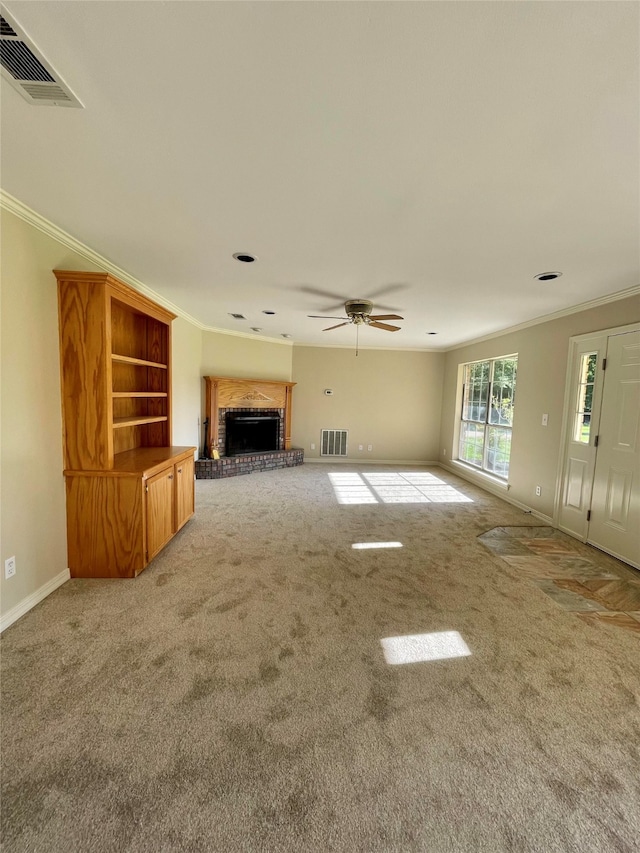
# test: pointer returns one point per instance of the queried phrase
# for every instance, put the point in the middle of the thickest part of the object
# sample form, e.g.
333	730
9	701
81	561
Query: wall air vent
28	71
333	442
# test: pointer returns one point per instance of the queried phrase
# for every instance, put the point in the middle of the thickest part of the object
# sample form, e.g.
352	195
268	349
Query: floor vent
333	442
28	71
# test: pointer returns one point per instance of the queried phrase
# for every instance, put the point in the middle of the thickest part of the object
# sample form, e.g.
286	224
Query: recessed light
269	312
286	336
547	276
238	316
432	333
245	257
256	329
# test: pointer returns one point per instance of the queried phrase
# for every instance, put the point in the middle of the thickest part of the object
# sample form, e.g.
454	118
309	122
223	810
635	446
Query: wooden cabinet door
160	506
184	491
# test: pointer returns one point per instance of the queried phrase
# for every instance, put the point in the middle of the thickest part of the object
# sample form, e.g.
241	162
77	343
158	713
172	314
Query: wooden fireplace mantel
224	392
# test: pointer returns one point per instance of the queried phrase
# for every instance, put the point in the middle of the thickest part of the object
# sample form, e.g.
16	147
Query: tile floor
596	587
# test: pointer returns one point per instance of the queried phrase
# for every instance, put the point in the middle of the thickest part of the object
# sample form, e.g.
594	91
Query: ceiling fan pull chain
357	332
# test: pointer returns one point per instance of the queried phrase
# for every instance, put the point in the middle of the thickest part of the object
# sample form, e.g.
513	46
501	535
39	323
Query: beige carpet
236	696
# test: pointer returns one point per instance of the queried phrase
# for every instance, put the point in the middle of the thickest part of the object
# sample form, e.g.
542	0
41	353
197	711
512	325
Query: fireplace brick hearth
249	463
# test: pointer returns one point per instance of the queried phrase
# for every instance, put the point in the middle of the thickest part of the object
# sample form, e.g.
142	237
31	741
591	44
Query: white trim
13	205
253	336
361	348
477	475
547	318
500	492
31	600
574	344
330	460
623	559
615	330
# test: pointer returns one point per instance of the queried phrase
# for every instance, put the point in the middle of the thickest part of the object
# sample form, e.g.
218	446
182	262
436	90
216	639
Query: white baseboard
499	491
345	460
31	600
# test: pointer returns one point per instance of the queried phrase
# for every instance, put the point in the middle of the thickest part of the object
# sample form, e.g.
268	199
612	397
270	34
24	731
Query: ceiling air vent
28	71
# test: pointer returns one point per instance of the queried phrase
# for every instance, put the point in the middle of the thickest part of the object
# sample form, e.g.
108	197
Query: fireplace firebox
251	432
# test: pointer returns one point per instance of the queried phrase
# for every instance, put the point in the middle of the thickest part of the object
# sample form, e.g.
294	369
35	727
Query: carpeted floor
238	695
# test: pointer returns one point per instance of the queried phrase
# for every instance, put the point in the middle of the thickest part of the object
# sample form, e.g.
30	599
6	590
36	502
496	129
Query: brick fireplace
226	396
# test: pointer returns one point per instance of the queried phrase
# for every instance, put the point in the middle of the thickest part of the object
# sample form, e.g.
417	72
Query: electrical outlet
360	447
9	567
313	447
538	491
369	447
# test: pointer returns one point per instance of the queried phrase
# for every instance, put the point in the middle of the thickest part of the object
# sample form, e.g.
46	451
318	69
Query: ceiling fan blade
324	317
335	327
389	288
385	326
385	317
337	302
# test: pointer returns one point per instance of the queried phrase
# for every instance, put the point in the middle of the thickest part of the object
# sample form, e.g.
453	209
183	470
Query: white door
614	523
584	393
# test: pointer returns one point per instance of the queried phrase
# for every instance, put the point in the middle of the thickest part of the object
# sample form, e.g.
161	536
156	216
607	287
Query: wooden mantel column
224	392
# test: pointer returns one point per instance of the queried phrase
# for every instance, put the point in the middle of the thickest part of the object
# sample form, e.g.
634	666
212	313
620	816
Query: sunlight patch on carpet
418	487
361	545
415	648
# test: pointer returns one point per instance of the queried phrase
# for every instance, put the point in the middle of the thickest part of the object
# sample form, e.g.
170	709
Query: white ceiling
432	155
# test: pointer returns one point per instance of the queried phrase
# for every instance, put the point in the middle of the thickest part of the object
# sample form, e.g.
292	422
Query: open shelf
127	359
119	423
127	394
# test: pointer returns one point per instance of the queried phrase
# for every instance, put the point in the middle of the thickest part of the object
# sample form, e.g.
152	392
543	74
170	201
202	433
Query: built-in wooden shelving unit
128	489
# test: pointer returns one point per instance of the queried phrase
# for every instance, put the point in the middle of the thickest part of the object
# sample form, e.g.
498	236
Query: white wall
389	399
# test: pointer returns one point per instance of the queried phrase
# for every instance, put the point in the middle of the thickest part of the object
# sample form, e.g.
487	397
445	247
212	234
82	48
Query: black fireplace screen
251	432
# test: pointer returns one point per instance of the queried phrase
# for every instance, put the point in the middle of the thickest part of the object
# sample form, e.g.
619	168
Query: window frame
481	400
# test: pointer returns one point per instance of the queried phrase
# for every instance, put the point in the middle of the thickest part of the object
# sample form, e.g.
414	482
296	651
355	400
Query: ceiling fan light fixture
358	306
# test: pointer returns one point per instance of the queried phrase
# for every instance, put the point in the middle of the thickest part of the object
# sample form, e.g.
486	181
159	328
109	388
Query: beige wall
244	358
402	403
389	399
185	382
542	363
32	495
32	488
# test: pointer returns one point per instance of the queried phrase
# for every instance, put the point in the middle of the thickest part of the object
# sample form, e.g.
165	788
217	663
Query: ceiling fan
358	313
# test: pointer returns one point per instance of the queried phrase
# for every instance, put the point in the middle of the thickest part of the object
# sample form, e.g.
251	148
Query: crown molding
377	349
41	223
556	315
21	210
250	337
